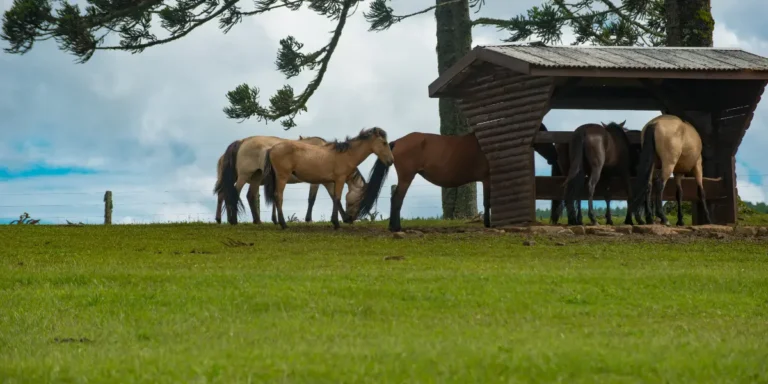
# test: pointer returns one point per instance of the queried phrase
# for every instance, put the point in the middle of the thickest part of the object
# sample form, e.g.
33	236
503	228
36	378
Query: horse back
442	159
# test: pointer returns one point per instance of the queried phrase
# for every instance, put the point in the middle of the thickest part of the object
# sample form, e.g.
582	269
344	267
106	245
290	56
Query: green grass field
173	304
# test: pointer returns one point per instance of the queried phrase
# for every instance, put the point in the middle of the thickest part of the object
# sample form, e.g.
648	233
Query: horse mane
365	134
314	137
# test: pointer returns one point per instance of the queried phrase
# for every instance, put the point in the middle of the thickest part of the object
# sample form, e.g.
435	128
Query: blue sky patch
43	170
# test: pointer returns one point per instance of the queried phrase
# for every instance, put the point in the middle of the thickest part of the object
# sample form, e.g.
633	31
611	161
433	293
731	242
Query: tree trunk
454	40
689	23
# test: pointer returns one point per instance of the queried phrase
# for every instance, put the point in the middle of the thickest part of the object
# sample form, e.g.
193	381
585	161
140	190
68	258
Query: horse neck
357	152
355	181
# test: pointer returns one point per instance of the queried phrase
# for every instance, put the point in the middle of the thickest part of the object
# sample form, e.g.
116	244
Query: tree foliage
599	22
82	32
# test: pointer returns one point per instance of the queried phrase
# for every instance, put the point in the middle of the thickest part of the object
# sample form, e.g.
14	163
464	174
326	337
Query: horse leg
666	173
630	210
338	188
679	198
593	179
404	181
331	191
251	196
312	197
487	203
219	202
279	189
608	217
698	174
274	214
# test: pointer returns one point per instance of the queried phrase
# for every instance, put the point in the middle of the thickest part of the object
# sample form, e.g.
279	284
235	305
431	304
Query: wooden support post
108	208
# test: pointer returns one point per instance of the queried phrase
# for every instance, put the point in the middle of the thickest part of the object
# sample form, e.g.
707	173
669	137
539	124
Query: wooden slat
522	130
470	109
529	83
551	188
539	96
564	137
500	82
502	125
534	104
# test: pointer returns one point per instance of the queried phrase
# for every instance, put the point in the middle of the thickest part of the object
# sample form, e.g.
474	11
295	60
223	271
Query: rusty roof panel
668	58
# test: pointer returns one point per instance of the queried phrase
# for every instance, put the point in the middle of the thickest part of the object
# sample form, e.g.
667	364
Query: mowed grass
173	304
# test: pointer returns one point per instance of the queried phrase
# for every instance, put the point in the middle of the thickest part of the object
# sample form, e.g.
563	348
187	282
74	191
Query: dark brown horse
444	160
604	153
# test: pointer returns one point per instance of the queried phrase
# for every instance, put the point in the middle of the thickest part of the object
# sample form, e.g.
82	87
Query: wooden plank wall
731	123
505	110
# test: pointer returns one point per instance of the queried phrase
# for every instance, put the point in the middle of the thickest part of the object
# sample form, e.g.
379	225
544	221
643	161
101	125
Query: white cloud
152	122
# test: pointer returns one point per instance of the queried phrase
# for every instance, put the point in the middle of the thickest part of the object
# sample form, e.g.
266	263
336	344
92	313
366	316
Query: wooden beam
564	137
449	74
551	188
607	98
652	74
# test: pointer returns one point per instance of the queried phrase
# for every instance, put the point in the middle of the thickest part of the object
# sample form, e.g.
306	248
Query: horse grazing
674	146
329	163
604	153
244	162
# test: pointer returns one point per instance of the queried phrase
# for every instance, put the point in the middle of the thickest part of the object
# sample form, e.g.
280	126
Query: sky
150	127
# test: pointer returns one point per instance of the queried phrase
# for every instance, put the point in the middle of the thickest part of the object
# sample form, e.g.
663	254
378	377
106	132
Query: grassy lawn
173	304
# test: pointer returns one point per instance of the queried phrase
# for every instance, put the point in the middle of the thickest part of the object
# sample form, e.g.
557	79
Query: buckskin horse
244	161
444	160
674	146
604	153
330	163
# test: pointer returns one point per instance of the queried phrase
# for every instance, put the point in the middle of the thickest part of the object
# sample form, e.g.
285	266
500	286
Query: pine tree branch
382	17
244	103
618	12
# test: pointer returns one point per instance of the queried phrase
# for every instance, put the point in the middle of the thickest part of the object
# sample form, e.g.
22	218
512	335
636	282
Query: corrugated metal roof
667	58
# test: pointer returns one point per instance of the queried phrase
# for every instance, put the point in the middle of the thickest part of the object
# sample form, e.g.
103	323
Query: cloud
150	127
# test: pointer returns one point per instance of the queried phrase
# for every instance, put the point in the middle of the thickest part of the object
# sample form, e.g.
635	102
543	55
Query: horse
447	161
604	152
243	162
674	146
329	163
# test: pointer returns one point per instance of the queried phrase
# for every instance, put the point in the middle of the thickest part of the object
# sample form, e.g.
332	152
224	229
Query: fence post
108	208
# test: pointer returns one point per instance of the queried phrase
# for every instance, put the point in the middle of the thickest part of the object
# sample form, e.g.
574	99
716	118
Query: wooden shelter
505	91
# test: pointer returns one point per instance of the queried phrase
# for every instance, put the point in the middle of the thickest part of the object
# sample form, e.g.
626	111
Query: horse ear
622	123
603	124
301	138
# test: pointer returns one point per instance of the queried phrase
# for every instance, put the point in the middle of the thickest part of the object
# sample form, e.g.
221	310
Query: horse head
355	191
377	138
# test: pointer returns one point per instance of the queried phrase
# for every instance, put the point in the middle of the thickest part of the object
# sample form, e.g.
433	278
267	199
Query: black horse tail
226	184
645	165
375	182
269	180
575	179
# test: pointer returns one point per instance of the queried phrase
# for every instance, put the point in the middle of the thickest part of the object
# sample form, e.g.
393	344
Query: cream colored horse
330	163
674	146
247	157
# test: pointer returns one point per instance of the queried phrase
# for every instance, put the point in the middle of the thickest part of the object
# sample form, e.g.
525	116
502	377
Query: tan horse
243	162
674	146
330	163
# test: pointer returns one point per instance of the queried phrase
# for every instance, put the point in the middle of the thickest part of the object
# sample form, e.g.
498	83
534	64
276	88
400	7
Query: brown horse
444	160
674	146
604	153
243	161
330	163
